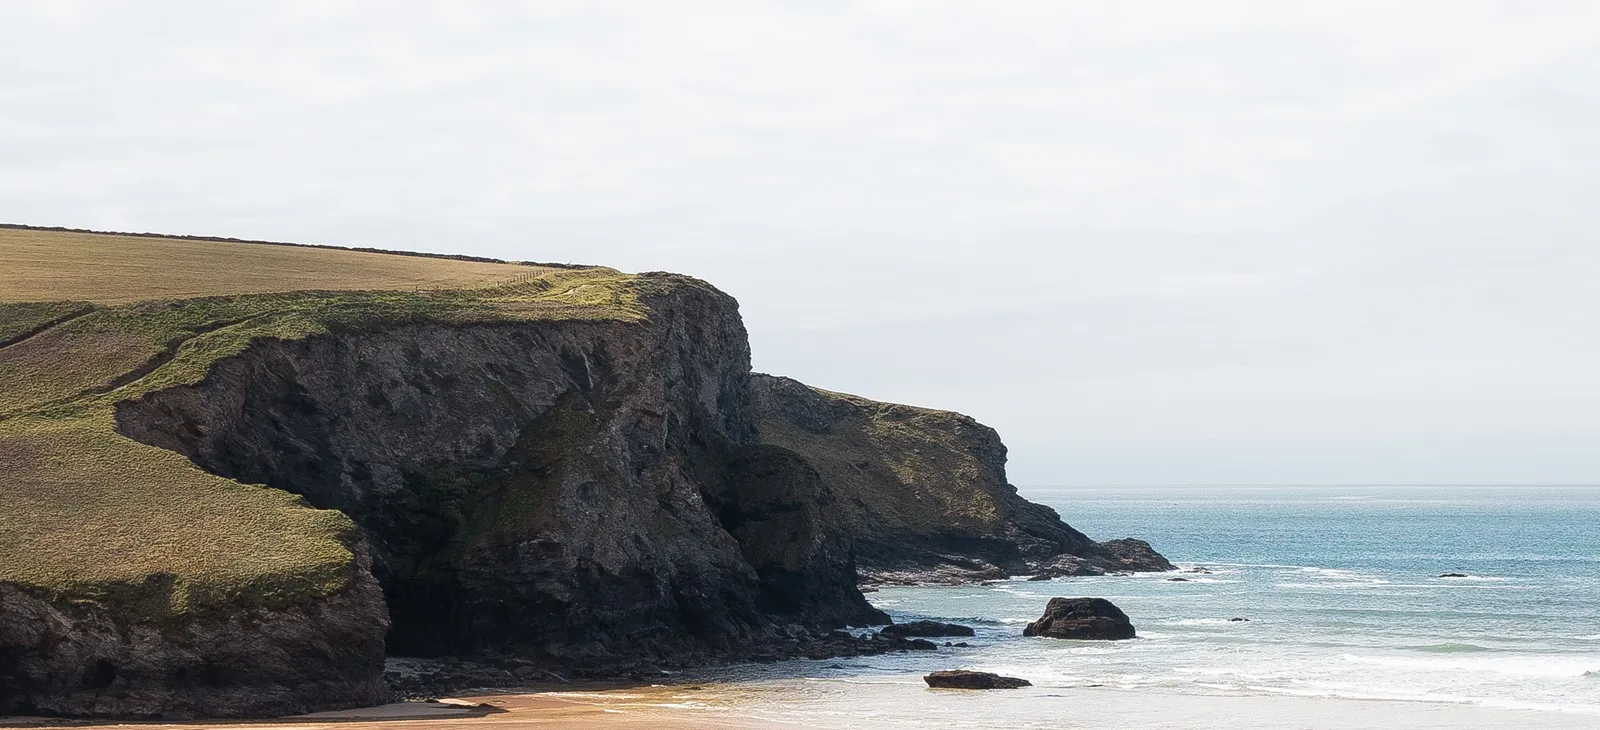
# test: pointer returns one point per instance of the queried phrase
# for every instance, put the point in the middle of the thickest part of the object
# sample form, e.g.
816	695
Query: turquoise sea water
1340	585
1341	588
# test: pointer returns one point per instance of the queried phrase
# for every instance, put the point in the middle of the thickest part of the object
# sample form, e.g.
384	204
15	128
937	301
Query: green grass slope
87	320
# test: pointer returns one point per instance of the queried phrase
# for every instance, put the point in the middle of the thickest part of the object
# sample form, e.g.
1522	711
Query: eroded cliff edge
923	494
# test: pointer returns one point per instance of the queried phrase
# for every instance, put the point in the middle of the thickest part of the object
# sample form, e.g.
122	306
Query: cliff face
577	472
585	493
127	657
923	493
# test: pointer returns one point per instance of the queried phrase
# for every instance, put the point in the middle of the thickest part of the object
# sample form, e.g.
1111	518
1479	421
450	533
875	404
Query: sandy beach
902	704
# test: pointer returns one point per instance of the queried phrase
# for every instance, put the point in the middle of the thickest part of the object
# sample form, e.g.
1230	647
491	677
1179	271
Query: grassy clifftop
88	320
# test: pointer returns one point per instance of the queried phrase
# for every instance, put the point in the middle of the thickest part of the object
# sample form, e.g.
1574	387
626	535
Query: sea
1341	587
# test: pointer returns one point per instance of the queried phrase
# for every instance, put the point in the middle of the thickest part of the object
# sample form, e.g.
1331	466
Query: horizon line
1271	485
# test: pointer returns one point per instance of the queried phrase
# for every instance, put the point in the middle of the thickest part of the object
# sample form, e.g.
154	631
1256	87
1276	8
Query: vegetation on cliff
96	516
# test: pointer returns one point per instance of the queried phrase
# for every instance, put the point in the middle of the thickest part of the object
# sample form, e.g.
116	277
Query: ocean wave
1531	666
1348	693
1449	648
1333	584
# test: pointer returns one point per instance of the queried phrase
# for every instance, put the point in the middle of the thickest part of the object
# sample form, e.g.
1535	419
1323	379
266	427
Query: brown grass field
103	268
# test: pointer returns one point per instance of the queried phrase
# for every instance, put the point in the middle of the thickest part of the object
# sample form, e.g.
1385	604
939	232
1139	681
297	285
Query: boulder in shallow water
927	628
965	679
1454	575
1081	618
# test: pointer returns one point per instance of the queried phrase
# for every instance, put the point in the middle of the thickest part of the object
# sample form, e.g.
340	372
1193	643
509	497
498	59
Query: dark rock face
1081	618
85	659
1128	554
923	493
1063	566
927	629
589	494
965	679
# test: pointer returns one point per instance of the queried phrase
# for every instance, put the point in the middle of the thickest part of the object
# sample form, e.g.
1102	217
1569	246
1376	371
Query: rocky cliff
923	494
240	505
586	493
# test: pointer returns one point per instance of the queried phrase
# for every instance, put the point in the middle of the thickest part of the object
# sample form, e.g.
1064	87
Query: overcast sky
1150	242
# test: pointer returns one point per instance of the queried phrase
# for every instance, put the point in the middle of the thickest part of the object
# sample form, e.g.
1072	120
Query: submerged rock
927	628
966	679
1081	618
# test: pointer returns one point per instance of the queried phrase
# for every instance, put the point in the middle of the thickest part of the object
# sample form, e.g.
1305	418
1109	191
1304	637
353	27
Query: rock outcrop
1130	555
923	493
131	658
927	629
967	679
1081	618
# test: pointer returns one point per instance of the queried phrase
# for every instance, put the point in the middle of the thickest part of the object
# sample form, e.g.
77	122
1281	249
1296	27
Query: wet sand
901	703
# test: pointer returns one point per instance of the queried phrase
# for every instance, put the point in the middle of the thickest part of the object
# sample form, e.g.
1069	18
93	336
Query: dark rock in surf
1081	618
926	628
1455	575
1132	555
1065	566
965	679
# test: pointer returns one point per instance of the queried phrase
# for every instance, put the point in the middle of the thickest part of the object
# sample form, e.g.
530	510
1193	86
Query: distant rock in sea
965	679
1081	618
1455	575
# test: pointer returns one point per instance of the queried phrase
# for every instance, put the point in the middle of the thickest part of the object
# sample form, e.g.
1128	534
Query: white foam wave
1343	692
687	706
1521	667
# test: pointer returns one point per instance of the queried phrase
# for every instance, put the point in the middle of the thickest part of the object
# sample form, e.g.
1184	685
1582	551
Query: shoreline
900	703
